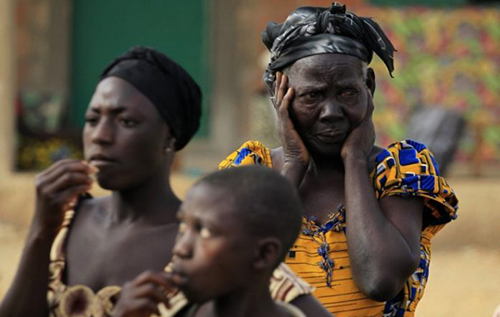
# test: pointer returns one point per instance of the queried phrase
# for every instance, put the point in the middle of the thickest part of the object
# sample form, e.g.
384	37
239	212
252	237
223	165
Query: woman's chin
112	184
322	149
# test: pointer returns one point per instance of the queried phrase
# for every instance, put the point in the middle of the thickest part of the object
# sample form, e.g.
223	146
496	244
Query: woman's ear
169	145
267	254
370	80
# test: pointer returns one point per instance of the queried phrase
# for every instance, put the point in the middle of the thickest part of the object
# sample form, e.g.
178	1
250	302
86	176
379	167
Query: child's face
213	252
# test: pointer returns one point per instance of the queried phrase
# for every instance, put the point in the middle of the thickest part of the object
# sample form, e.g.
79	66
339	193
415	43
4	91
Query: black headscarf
166	84
316	30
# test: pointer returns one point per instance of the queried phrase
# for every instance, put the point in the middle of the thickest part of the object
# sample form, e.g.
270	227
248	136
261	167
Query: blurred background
445	93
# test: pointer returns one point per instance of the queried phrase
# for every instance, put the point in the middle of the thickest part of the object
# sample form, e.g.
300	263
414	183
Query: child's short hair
265	201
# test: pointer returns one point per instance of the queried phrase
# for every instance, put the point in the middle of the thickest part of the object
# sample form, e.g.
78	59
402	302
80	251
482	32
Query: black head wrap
315	30
166	84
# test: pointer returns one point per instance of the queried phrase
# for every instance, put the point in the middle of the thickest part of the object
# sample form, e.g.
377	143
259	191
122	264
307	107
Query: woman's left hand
360	141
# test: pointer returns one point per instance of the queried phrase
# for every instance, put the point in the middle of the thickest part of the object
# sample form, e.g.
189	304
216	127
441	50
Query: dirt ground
465	271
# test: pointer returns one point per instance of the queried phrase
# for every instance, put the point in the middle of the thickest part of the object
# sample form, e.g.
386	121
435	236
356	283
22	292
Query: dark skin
125	138
141	209
324	106
217	263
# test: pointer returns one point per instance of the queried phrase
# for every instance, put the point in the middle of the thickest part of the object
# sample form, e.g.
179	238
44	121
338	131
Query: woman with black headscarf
144	109
369	212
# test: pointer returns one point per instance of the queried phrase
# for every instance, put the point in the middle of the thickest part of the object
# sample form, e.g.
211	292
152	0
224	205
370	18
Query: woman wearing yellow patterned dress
369	212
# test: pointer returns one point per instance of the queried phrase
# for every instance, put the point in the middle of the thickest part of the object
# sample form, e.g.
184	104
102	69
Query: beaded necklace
311	228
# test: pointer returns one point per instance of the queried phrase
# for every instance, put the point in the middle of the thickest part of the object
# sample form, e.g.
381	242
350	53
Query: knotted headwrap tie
166	84
315	30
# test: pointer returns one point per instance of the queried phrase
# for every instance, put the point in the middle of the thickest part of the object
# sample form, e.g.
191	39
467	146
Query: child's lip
179	277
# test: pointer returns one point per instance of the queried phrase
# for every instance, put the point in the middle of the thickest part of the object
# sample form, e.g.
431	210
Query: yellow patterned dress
320	257
81	301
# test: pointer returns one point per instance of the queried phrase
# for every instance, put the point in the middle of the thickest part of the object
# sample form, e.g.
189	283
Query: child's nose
184	245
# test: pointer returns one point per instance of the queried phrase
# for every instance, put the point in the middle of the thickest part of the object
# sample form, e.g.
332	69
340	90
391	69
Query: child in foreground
236	227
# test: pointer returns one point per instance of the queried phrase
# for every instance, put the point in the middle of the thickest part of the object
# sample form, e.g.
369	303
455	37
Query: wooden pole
7	88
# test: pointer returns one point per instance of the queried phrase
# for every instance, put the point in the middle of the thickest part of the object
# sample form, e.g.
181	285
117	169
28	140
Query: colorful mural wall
446	58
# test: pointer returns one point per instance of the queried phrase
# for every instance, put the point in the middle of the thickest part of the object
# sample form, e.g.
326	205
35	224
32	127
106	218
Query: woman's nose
103	132
331	111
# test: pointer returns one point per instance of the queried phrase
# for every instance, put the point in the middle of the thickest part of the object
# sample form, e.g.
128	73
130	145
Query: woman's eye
312	96
128	122
91	120
348	93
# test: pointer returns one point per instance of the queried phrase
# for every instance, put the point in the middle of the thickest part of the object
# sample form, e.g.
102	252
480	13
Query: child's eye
205	233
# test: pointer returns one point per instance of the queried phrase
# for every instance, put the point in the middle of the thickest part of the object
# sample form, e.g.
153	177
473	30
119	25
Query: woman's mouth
101	161
331	136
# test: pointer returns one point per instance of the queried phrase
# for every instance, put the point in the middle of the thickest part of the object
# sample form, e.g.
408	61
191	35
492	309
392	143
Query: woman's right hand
297	158
57	189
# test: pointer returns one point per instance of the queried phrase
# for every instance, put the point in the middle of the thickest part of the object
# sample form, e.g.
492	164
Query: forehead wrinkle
322	64
318	76
347	82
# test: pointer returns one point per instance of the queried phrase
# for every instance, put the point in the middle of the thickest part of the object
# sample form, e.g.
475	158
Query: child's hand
140	297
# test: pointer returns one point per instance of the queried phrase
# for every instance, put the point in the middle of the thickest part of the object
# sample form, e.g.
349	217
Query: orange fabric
405	168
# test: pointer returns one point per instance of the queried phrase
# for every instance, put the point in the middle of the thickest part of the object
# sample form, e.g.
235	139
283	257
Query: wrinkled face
330	100
213	252
124	135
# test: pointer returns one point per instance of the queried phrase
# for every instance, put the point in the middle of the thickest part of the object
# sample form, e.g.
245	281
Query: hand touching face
330	100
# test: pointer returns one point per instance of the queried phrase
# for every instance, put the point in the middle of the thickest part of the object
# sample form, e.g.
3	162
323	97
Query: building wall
219	43
62	46
104	29
7	84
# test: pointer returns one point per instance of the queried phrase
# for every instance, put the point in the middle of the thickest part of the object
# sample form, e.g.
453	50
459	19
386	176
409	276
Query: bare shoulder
91	209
